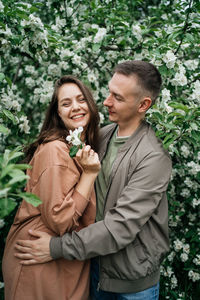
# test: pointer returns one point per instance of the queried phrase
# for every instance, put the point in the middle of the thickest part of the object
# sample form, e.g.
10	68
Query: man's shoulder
152	144
107	129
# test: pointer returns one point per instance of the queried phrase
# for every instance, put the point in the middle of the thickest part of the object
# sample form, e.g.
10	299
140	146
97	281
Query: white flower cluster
169	58
100	35
196	260
11	99
185	151
24	126
194	167
137	32
179	79
194	276
196	92
74	136
195	202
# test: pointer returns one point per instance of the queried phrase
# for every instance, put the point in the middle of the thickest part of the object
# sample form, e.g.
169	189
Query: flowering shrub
46	39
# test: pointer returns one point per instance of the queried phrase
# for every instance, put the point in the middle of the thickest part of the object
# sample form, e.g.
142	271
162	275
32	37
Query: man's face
124	99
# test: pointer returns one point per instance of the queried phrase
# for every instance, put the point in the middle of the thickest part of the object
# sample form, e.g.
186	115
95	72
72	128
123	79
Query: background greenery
42	40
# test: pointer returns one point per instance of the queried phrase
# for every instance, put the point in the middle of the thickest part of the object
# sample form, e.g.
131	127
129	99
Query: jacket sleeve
61	204
135	206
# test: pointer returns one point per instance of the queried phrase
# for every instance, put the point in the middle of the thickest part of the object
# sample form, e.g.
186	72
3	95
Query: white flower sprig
74	138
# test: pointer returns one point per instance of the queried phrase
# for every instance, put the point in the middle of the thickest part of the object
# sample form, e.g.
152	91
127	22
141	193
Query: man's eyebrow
115	94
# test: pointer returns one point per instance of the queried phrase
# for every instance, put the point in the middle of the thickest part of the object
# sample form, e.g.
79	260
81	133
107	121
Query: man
130	237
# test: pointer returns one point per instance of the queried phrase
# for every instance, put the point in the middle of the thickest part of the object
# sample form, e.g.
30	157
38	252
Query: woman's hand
89	160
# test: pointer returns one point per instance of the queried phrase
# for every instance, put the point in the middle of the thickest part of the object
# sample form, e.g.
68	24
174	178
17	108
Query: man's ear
144	105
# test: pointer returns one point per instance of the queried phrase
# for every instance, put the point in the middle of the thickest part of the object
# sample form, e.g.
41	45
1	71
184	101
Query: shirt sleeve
134	207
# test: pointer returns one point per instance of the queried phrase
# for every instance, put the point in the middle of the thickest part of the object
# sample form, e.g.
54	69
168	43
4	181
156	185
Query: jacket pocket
128	264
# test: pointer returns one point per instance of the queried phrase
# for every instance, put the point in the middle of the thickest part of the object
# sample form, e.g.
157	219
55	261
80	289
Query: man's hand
34	251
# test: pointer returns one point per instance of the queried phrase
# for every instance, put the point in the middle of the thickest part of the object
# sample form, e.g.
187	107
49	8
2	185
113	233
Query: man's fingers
25	243
24	255
22	249
28	262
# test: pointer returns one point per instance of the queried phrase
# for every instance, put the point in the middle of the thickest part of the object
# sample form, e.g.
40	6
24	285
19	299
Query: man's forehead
121	81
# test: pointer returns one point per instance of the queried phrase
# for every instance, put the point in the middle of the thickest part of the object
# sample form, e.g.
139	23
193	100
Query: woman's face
72	107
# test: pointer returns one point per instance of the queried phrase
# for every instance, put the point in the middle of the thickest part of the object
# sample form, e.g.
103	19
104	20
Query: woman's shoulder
53	153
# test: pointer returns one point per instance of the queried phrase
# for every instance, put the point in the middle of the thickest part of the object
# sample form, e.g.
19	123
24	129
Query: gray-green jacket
132	240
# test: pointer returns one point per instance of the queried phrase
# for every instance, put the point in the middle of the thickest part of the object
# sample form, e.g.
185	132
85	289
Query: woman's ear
144	105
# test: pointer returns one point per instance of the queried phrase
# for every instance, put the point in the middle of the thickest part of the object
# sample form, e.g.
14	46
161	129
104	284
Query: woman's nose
75	105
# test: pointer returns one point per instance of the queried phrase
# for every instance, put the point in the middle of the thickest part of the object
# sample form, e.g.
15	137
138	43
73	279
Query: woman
65	186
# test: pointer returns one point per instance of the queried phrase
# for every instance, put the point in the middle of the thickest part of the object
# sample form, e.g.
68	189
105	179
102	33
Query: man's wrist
55	246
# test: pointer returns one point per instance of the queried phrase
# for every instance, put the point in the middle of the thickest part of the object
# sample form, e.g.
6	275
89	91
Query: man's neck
128	130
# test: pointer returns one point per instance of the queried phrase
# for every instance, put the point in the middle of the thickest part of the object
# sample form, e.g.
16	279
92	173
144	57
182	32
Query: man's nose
108	101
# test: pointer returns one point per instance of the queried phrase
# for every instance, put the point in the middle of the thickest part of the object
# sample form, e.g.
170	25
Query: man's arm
121	224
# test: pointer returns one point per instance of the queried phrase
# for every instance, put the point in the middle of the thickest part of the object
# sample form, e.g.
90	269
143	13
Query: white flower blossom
185	193
178	245
100	35
166	95
191	64
196	91
170	59
91	77
137	32
179	79
184	257
54	70
194	275
74	136
196	260
24	127
194	168
185	151
174	281
195	202
30	82
171	256
188	182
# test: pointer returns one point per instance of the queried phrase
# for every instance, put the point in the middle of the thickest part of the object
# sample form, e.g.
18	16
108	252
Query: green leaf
14	155
10	116
7	207
3	193
2	76
196	135
73	151
17	176
23	166
7	170
31	198
4	129
8	81
96	47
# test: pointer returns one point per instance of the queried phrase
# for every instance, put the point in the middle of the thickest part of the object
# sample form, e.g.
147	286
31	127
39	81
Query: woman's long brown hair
53	127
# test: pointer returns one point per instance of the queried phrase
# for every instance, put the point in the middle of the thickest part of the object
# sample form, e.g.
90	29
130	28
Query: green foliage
12	180
40	41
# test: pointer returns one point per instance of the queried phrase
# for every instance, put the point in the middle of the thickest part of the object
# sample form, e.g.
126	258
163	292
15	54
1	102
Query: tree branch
184	28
